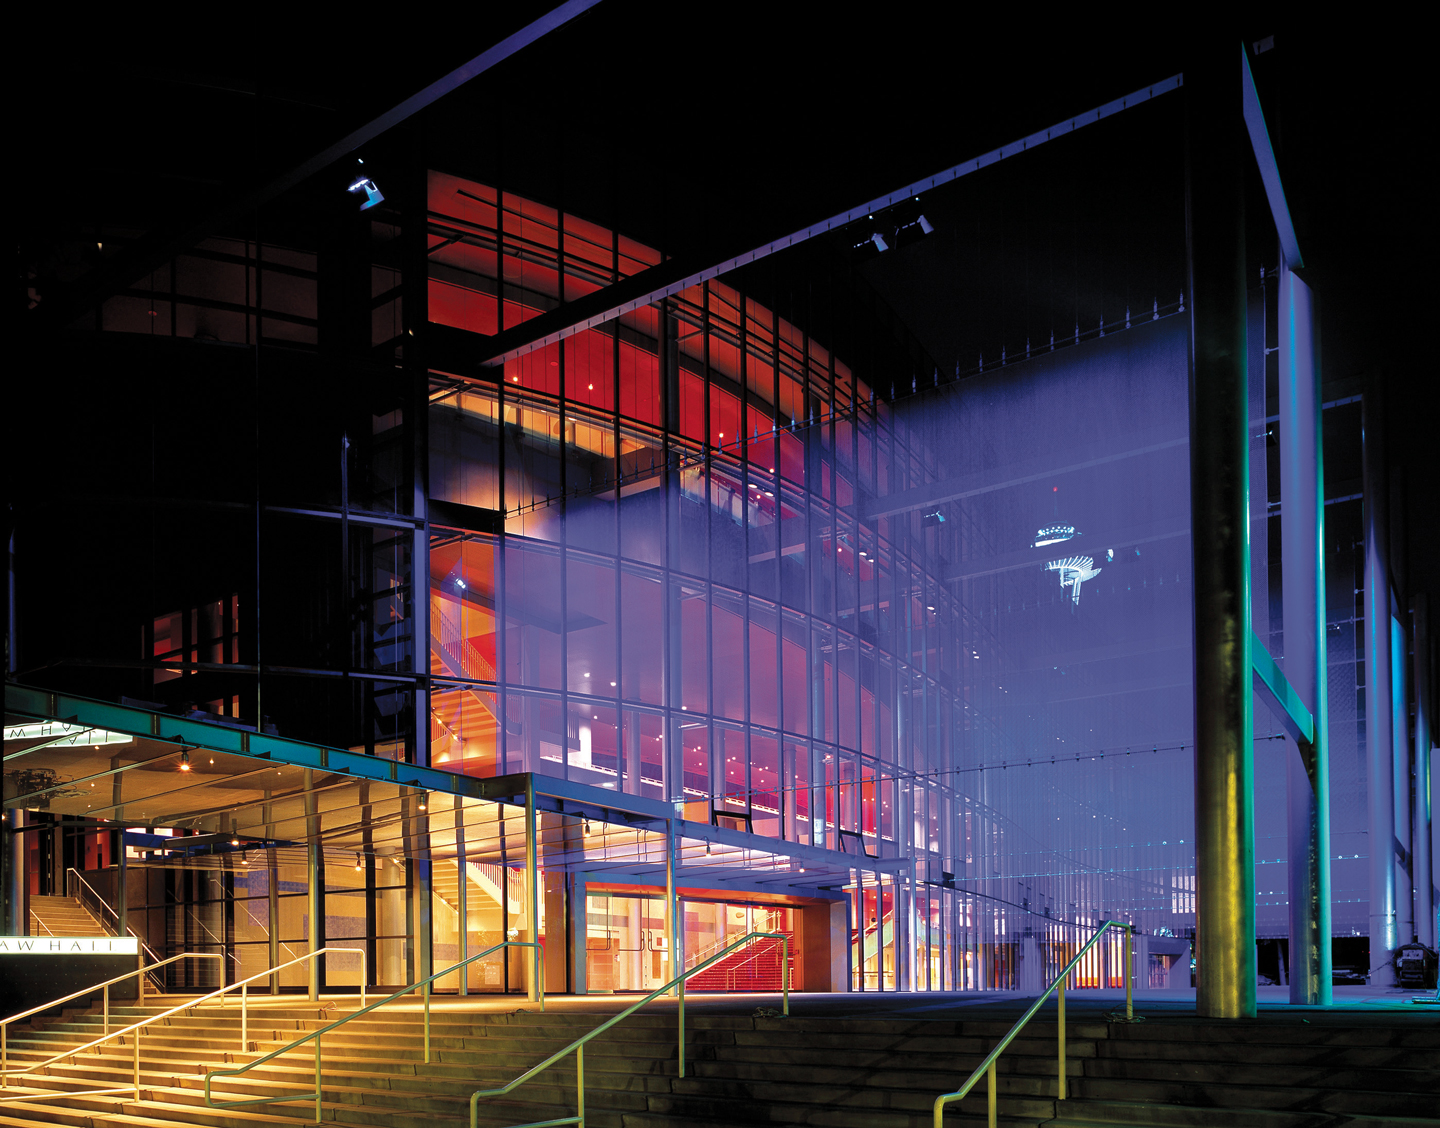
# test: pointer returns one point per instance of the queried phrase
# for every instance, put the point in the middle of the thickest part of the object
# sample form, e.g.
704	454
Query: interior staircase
756	968
834	1072
61	916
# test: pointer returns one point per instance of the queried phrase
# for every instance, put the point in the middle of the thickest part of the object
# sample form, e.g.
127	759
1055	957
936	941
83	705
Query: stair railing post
318	1093
107	1010
244	1017
1060	997
785	973
580	1082
136	1077
1129	973
425	992
682	1026
990	1079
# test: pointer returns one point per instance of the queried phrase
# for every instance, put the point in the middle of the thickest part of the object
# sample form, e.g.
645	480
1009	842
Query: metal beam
675	276
1269	170
1302	534
1270	683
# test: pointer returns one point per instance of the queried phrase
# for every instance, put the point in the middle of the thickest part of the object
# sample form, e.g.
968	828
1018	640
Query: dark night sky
701	132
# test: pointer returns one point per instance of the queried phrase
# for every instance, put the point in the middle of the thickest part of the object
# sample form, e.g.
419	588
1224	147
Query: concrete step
1276	1096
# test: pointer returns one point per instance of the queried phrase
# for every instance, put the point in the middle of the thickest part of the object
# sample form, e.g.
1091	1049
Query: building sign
69	946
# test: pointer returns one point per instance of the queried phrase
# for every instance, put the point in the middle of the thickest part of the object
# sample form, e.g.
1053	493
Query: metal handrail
5	1071
104	904
136	1027
987	1066
34	916
578	1046
316	1034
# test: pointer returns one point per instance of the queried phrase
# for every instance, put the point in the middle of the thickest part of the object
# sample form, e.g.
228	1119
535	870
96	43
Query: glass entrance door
626	945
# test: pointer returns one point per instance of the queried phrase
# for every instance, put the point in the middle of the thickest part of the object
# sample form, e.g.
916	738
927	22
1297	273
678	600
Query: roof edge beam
1269	170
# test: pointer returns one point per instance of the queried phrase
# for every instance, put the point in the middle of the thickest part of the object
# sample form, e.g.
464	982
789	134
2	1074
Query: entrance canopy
233	791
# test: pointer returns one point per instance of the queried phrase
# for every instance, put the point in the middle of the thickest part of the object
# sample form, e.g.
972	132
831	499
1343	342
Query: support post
532	883
462	918
1219	496
672	922
1424	812
1379	780
1403	849
17	915
315	884
1302	533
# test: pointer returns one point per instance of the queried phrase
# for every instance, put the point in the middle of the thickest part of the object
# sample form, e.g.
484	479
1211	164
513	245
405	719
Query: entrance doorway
627	947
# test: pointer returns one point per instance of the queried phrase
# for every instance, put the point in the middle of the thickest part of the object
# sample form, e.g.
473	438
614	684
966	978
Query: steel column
315	883
1219	499
1302	532
532	882
1380	777
672	906
17	921
1400	778
1423	826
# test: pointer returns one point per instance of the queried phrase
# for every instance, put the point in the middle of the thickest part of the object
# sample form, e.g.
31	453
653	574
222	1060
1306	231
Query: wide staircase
61	916
756	968
836	1072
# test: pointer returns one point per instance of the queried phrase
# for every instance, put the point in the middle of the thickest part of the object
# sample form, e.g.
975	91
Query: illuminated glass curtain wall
698	564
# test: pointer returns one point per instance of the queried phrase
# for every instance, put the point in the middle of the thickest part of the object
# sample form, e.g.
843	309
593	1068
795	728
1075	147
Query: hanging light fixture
184	759
358	865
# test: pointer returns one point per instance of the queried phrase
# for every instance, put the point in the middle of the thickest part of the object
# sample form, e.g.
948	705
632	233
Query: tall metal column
1423	825
462	899
17	916
1302	532
1219	497
315	883
532	882
1400	778
1380	776
672	913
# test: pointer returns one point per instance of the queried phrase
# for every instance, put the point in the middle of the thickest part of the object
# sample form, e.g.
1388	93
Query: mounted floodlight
936	518
185	760
373	195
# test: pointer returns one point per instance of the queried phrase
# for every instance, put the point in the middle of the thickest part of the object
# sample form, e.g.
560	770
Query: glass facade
696	554
901	646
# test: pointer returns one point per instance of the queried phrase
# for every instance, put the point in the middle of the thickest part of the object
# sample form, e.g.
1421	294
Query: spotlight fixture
373	195
422	802
234	841
936	518
184	759
358	865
